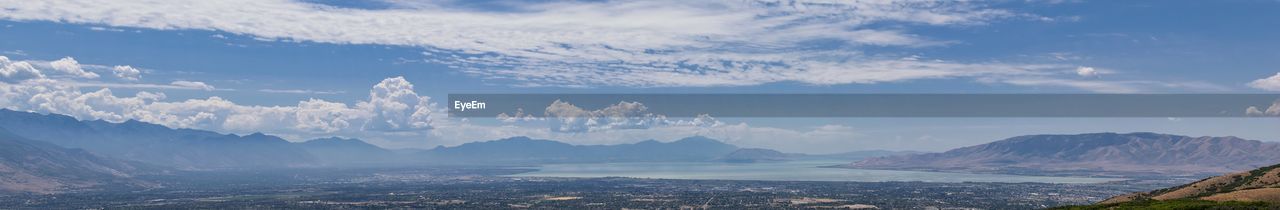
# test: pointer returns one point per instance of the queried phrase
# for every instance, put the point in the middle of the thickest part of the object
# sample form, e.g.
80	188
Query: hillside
37	167
1262	184
1254	189
1104	154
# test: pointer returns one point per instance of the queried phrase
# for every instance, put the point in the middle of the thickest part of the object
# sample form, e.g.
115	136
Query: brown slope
1254	185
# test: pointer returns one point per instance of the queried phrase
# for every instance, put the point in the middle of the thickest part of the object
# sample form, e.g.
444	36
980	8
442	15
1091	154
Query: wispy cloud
298	91
176	85
1109	86
612	43
192	85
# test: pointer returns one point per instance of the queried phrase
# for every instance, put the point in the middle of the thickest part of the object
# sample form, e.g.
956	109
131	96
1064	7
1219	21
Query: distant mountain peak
516	138
333	138
698	139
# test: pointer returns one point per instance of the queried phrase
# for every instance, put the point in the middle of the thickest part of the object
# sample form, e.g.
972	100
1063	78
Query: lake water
779	171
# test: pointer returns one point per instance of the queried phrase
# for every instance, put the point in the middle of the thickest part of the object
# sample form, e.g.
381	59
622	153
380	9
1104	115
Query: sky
379	70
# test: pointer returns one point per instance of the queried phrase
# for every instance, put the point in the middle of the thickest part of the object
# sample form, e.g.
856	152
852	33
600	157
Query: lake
779	171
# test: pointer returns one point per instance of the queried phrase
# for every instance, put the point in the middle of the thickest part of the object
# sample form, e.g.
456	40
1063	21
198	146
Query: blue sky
262	59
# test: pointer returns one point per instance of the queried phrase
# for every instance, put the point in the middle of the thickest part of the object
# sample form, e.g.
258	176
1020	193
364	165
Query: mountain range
524	150
48	152
156	144
1104	154
190	149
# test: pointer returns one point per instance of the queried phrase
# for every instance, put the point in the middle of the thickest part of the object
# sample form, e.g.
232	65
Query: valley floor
485	188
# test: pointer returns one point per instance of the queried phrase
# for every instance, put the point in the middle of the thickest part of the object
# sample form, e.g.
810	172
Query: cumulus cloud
192	85
1274	110
610	43
64	68
392	106
126	73
70	66
1270	83
11	71
397	106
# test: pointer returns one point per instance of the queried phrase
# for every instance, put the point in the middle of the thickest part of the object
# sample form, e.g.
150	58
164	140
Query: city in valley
488	188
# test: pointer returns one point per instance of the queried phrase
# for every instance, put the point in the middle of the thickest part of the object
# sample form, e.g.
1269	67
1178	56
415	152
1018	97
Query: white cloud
1270	83
11	71
1253	111
1273	110
1085	71
65	68
612	43
70	66
393	105
1094	86
192	85
1115	86
126	73
299	91
397	106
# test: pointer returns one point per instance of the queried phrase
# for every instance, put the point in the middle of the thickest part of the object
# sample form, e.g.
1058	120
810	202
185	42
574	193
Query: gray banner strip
882	105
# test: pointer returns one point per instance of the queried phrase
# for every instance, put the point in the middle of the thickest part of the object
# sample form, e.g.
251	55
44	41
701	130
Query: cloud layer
392	106
612	43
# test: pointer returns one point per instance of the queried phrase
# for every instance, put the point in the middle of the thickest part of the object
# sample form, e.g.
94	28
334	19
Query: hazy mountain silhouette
40	167
523	150
1095	153
336	151
156	144
751	155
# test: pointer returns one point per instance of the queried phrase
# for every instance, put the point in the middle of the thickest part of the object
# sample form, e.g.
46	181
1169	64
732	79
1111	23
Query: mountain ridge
1105	154
156	144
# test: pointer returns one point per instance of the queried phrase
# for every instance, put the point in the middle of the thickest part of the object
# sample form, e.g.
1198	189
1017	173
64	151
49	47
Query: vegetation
1176	205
